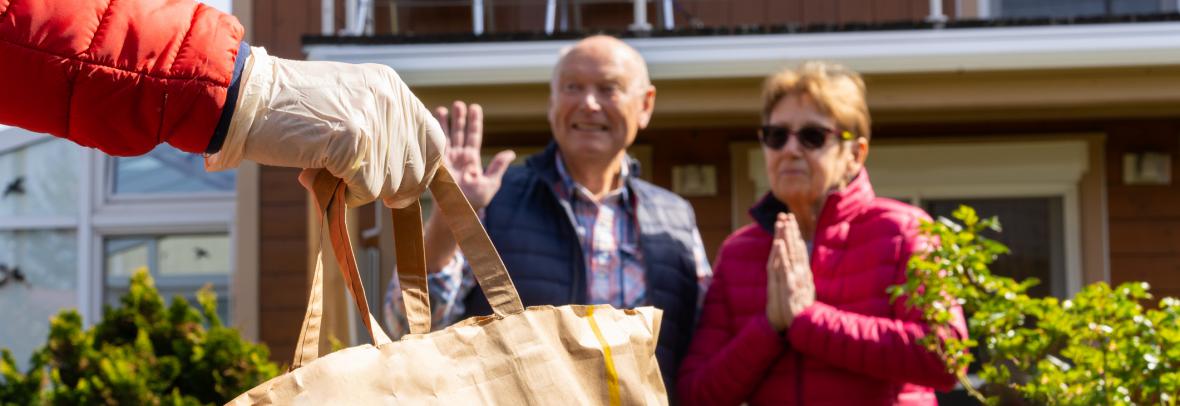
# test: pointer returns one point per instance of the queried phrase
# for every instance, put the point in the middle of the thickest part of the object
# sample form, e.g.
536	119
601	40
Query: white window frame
145	215
101	215
98	259
1014	169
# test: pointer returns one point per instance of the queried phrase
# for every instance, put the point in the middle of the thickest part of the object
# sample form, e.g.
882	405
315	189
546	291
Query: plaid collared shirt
609	235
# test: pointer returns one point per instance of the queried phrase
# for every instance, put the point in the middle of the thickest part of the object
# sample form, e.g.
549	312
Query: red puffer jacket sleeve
885	348
118	75
726	362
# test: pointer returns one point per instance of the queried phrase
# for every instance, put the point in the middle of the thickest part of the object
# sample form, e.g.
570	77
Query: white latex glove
360	122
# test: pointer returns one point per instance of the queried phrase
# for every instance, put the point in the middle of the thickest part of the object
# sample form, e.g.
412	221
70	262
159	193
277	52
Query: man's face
598	102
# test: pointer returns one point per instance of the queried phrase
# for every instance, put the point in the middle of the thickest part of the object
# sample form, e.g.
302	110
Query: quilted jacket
119	75
852	347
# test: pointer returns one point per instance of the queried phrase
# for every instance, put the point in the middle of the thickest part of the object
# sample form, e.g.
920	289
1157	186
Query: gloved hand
360	122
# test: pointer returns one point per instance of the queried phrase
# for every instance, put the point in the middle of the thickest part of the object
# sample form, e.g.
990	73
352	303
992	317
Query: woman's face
802	175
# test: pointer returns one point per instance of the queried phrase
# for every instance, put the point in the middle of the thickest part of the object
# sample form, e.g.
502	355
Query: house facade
1062	117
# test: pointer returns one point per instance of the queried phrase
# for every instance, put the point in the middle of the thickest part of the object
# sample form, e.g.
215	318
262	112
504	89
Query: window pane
125	255
169	255
1137	6
1051	8
194	255
40	179
167	170
181	264
1033	231
1075	8
48	262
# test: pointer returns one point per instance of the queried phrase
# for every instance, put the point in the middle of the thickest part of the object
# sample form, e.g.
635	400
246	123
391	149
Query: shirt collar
570	186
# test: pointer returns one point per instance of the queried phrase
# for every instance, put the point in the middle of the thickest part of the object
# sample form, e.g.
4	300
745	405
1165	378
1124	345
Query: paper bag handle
411	266
489	269
461	219
477	247
472	238
328	193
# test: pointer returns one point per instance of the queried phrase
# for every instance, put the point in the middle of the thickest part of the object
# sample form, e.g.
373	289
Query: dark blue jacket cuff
231	100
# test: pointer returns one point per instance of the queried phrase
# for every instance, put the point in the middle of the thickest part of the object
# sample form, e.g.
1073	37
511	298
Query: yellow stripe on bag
612	375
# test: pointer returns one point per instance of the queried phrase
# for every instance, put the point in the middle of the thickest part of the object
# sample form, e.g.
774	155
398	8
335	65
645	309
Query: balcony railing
479	17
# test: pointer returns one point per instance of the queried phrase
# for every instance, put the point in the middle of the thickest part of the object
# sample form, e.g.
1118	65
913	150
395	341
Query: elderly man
575	225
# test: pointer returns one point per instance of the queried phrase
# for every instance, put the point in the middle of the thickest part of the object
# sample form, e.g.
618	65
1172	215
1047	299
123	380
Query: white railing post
550	15
640	23
328	17
350	8
477	17
365	17
936	15
669	15
358	17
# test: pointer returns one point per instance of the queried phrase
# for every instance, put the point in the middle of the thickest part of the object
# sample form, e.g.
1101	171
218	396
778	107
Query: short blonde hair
835	89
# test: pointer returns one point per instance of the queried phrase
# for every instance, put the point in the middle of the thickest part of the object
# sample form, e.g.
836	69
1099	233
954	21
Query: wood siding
1144	220
279	25
283	282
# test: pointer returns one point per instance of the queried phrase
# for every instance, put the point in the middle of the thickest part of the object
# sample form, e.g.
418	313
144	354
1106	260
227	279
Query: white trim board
878	52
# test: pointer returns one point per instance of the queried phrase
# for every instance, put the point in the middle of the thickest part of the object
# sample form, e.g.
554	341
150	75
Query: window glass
180	264
167	170
1074	8
46	262
40	179
1138	6
194	255
1033	231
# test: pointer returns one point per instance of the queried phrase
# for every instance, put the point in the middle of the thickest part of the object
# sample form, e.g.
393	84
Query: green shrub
140	353
1100	347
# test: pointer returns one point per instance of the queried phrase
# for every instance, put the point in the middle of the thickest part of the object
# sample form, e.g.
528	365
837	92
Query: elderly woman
780	328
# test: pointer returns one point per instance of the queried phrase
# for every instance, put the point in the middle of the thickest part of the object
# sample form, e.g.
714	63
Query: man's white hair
636	57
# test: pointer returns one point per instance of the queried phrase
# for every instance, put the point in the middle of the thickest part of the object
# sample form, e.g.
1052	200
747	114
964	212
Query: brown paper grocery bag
544	355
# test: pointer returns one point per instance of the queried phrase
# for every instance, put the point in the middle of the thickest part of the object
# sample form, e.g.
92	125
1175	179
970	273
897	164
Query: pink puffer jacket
852	347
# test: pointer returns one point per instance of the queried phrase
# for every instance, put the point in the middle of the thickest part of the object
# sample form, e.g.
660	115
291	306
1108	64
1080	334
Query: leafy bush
1100	347
141	353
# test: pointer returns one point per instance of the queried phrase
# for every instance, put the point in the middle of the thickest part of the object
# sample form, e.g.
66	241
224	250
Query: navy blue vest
535	234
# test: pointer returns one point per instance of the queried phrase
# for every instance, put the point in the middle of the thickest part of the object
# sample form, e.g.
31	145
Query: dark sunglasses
810	137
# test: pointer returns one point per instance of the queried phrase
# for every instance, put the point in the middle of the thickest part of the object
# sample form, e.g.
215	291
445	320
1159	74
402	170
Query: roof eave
737	56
